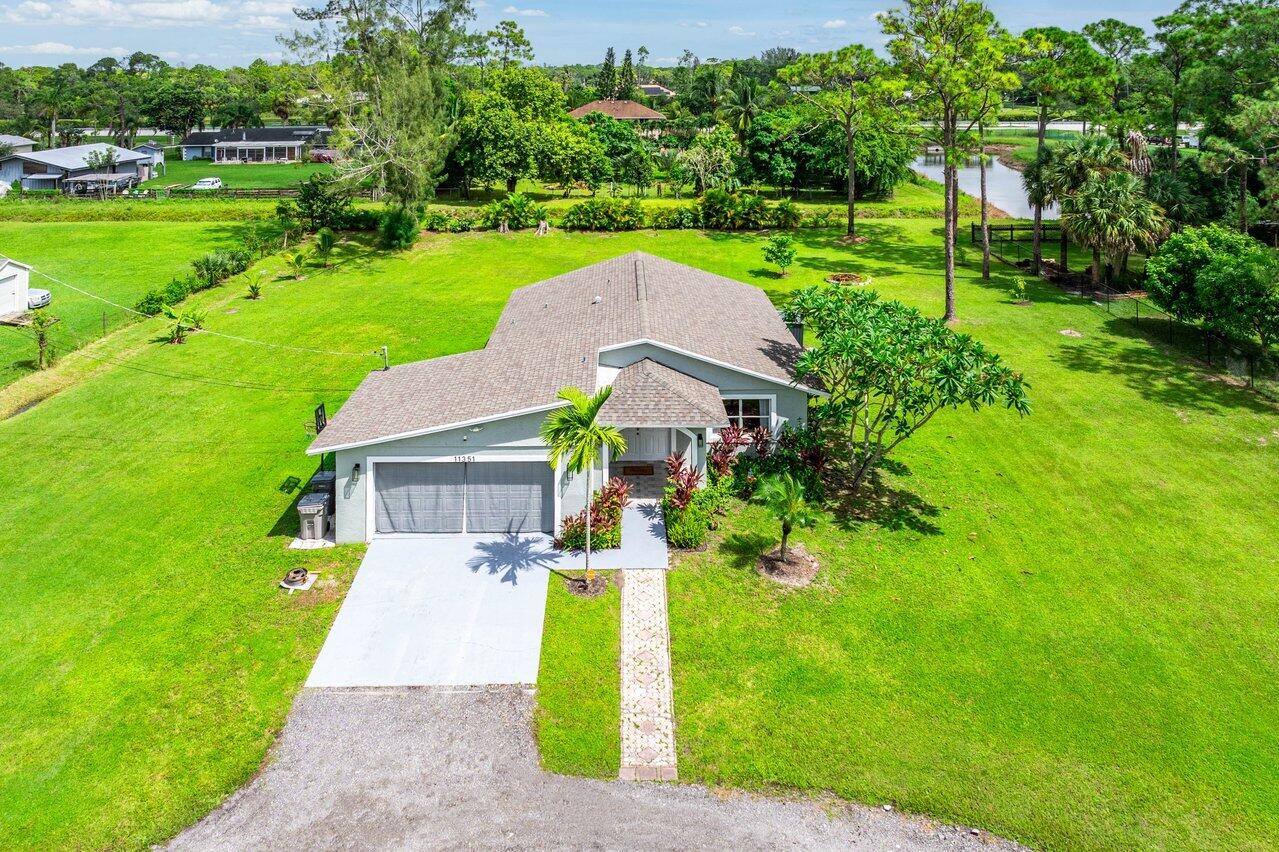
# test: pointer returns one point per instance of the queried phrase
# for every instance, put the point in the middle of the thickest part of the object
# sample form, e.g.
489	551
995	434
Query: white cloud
835	24
739	31
524	13
58	48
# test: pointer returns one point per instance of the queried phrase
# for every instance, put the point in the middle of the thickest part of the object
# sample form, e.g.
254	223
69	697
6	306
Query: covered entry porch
647	448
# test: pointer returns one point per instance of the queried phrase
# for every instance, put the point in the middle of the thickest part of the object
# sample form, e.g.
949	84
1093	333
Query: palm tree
741	106
573	433
1111	215
783	496
1062	169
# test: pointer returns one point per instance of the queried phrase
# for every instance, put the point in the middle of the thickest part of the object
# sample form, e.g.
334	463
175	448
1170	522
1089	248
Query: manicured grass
579	697
117	260
235	175
1121	693
1025	141
1062	628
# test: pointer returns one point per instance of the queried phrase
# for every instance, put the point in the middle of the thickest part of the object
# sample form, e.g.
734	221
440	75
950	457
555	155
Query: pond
1003	184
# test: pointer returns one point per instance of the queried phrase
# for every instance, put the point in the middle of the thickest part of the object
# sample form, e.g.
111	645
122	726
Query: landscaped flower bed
606	520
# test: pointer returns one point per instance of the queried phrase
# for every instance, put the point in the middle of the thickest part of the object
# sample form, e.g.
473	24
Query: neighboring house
15	285
17	144
68	168
621	110
656	90
155	155
285	144
451	445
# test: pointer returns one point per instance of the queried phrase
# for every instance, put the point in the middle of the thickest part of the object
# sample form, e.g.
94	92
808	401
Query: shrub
517	210
724	450
798	452
606	520
604	214
398	228
1017	291
151	303
750	212
686	528
360	219
446	222
787	215
683	217
715	208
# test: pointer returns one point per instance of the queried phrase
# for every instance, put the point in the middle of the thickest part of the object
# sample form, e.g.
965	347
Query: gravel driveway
440	768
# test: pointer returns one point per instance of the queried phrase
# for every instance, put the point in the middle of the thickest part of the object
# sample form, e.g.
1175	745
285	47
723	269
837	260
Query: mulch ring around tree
850	240
845	278
581	588
797	570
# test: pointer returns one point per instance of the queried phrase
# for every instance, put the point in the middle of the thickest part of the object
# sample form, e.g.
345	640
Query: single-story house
451	445
15	285
283	144
656	90
17	144
622	110
49	169
154	151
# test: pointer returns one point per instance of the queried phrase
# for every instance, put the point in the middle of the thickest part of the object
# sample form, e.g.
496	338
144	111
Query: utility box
313	513
324	482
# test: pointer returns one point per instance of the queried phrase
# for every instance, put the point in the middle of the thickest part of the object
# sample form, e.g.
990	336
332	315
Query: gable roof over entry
550	336
651	394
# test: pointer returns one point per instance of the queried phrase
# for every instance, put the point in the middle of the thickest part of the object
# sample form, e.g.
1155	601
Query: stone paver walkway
648	714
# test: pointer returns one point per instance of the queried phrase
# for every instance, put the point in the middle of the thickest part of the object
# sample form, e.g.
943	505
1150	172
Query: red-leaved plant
762	441
724	449
683	482
606	519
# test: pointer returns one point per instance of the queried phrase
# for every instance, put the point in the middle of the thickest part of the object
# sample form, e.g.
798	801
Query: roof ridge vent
641	295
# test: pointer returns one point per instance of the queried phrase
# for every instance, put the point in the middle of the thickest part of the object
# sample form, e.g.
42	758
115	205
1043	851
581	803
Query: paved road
435	768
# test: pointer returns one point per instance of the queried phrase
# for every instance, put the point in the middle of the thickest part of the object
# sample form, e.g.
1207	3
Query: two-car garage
462	497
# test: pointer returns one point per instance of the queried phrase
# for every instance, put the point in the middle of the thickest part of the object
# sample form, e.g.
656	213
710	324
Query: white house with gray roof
450	445
53	168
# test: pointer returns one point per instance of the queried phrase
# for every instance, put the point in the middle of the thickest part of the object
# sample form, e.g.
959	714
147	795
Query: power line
379	353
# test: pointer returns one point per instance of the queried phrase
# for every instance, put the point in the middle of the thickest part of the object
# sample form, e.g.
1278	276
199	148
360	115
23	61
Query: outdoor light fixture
477	428
355	474
701	439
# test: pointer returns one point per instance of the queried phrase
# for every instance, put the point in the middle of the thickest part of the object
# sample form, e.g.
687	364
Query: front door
646	444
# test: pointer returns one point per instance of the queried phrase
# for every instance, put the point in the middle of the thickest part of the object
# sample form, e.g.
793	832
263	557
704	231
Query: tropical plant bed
797	570
845	278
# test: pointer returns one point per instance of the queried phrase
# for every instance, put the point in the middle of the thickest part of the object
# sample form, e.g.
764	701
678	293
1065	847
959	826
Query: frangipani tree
889	370
573	433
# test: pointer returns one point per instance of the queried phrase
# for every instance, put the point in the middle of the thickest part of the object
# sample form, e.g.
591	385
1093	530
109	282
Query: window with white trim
749	413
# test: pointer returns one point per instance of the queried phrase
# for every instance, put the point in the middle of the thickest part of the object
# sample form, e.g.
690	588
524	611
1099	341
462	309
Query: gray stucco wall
792	403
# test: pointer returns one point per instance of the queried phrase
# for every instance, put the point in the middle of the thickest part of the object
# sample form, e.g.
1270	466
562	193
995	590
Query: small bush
517	210
443	222
716	210
606	520
604	214
151	304
360	219
398	228
1018	291
787	215
686	528
683	217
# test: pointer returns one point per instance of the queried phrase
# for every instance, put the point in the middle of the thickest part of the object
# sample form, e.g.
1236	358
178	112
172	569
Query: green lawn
1062	629
117	260
580	693
1101	674
1025	141
235	175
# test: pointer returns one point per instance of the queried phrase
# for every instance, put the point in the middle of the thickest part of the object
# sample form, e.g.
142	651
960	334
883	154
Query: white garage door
426	497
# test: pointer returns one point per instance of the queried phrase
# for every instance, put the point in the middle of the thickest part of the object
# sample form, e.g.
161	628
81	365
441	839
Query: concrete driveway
441	611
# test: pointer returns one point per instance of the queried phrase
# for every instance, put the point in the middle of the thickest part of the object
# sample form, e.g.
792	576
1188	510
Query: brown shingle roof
651	394
549	336
621	110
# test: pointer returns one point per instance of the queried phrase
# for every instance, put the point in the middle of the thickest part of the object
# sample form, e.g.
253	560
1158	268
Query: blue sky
234	32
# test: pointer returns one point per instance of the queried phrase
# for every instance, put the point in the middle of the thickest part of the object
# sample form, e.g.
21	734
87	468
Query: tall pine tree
606	83
626	78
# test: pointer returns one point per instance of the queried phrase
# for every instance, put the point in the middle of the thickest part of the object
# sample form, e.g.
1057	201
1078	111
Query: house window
749	413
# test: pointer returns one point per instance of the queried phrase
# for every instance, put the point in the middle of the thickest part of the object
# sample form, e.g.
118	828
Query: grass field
1062	628
117	260
1102	673
235	175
